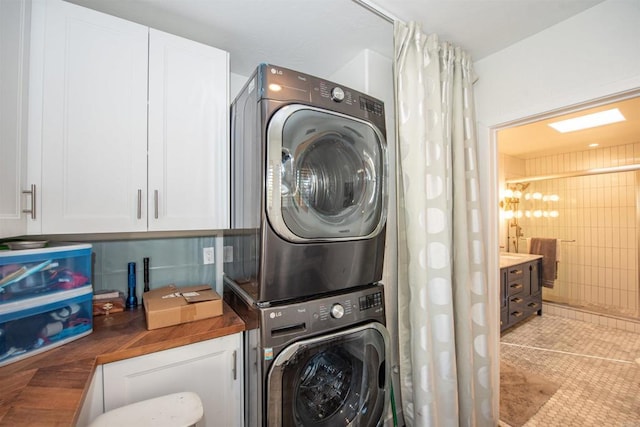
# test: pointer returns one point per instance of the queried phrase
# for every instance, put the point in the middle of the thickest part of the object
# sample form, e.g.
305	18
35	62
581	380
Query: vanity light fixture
509	204
589	121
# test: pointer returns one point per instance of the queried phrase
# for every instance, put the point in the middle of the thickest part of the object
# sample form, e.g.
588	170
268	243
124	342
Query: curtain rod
382	13
586	172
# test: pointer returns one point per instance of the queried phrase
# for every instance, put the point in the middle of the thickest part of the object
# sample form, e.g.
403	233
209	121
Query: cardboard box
173	305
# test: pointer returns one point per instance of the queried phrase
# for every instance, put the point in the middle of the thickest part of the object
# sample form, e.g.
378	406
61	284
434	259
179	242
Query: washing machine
319	362
308	188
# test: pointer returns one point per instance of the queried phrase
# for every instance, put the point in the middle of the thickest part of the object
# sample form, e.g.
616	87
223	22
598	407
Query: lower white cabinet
93	401
212	369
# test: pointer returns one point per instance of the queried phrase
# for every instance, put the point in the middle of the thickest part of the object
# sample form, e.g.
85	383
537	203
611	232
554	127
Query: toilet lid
173	410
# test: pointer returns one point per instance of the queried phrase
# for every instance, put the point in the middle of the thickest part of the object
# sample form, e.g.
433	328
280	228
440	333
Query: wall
586	57
590	55
176	261
596	220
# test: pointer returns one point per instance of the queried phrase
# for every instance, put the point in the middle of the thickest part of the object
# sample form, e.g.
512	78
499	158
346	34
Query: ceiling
320	36
538	139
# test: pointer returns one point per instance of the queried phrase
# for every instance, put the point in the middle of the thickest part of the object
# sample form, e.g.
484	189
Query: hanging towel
548	248
558	257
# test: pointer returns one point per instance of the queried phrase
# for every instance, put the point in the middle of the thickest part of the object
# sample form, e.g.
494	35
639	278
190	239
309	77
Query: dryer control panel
282	84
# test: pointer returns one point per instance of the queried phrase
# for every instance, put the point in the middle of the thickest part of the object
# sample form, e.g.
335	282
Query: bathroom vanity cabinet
520	288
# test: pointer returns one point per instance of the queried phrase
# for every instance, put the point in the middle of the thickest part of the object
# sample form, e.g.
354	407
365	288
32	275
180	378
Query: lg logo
274	71
275	314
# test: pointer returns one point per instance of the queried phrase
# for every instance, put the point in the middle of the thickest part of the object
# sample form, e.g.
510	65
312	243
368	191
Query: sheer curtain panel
445	335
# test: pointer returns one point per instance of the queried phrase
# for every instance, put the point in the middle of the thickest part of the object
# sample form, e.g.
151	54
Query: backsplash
176	260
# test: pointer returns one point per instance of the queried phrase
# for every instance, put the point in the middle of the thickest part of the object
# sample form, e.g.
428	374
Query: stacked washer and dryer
309	177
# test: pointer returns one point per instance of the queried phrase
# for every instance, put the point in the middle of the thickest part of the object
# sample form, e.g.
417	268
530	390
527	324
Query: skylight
589	121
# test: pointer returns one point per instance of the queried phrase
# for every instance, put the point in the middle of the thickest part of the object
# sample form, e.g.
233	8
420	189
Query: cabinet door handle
155	203
31	211
235	365
139	204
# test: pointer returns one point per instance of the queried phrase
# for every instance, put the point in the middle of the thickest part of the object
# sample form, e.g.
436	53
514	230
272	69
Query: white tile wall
597	218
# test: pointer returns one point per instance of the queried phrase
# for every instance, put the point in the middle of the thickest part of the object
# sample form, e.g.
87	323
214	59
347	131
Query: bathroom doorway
582	188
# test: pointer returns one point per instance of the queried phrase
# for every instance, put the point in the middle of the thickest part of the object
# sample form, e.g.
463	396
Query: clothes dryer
309	177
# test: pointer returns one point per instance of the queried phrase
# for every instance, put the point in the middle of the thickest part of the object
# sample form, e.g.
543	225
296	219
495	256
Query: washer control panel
370	301
337	94
337	311
331	309
283	323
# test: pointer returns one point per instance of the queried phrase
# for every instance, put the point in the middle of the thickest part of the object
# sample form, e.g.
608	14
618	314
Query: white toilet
173	410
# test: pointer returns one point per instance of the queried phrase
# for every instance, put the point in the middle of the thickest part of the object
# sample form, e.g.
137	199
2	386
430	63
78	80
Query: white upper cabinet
94	121
188	116
95	127
14	60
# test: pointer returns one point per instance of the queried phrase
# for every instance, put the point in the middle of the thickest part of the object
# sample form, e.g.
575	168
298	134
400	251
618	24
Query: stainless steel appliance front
321	362
309	176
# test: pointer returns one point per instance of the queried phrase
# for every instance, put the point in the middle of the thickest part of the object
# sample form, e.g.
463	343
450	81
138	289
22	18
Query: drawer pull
516	286
517	314
516	271
533	304
517	300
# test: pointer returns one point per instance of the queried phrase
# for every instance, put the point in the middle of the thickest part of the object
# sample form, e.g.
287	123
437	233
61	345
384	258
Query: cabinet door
188	122
93	404
94	115
212	369
14	52
535	279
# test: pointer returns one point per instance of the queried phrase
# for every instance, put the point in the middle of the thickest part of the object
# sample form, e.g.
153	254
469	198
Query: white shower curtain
445	335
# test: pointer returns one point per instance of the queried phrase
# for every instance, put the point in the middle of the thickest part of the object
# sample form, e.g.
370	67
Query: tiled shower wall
597	224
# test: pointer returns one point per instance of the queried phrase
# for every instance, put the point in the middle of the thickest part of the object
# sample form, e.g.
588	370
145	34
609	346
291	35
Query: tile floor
597	368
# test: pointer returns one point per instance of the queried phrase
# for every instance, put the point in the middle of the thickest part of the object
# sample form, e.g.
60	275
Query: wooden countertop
48	389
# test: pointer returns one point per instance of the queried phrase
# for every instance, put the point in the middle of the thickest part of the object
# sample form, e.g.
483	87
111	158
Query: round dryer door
326	175
332	380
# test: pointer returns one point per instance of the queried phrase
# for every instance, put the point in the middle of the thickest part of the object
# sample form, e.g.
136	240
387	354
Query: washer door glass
326	175
332	381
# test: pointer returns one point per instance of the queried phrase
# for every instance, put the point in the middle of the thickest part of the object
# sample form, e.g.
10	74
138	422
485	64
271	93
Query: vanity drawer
517	303
516	315
515	287
533	304
515	273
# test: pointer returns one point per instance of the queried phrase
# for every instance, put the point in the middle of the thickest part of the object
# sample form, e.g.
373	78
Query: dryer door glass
330	382
326	175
